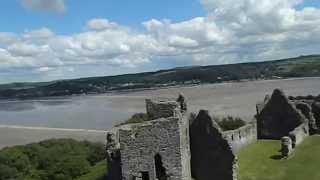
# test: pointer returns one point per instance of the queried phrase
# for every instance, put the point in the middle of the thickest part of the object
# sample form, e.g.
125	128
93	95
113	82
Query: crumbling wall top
162	108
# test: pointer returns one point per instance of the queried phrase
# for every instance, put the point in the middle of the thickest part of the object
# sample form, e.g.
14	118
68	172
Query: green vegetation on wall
231	123
136	118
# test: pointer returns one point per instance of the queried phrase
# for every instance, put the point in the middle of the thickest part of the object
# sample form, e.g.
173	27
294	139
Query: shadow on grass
276	157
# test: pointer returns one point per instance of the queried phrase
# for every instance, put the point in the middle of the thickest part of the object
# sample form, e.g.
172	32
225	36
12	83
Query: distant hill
303	66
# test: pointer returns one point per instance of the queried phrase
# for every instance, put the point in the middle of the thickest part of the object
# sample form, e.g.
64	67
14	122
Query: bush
138	118
51	159
231	123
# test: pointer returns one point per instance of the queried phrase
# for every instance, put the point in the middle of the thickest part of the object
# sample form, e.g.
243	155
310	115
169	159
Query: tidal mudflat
101	112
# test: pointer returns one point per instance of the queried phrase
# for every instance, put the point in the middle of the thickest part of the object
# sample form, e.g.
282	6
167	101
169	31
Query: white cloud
45	5
182	42
231	32
43	33
101	24
264	29
23	49
7	38
44	69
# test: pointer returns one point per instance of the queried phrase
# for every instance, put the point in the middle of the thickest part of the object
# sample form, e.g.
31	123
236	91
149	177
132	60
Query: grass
97	172
262	161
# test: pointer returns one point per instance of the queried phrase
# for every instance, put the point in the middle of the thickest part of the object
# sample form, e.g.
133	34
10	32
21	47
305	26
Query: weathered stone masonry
173	146
242	136
113	157
159	148
280	117
140	145
212	157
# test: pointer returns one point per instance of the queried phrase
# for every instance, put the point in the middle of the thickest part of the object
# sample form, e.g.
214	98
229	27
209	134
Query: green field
262	161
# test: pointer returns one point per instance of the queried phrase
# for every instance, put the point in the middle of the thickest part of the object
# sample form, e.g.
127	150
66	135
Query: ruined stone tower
161	147
157	149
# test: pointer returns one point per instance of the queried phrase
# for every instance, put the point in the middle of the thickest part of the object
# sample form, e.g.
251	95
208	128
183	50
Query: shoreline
52	129
127	91
20	135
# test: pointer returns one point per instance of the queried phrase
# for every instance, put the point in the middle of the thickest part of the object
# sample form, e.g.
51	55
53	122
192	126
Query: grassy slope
261	161
97	172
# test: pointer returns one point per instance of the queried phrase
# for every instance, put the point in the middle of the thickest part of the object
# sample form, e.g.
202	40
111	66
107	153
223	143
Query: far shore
128	91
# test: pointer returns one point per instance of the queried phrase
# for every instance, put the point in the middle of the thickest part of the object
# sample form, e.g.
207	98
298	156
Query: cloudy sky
44	40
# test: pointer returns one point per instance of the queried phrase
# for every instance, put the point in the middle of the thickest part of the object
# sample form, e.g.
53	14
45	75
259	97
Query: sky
43	40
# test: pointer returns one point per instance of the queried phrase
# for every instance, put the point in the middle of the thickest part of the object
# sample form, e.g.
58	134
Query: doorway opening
160	170
145	176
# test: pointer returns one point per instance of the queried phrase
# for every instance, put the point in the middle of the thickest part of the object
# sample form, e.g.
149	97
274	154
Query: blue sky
126	12
310	3
43	40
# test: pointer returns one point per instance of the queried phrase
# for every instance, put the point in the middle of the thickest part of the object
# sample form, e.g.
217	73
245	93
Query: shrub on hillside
51	159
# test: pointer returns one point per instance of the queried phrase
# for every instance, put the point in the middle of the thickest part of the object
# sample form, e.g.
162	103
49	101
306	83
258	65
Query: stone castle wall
299	134
306	109
140	144
316	111
278	117
242	137
159	147
212	156
201	150
185	146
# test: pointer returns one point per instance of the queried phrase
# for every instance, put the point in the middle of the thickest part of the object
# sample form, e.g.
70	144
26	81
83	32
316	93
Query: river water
103	111
20	120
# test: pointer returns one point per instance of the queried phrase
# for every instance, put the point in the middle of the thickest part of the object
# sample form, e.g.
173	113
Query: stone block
286	146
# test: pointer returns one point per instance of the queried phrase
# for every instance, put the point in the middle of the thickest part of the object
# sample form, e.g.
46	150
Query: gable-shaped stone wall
278	117
212	157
